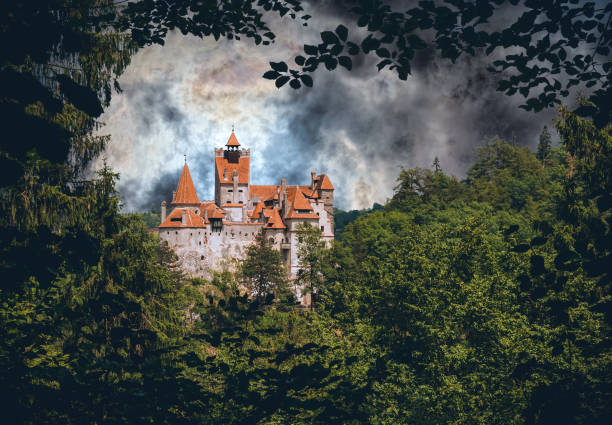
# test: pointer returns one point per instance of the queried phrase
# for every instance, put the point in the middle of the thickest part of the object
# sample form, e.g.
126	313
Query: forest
477	300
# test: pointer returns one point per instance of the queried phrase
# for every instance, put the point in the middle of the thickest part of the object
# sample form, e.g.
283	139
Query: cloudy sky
359	127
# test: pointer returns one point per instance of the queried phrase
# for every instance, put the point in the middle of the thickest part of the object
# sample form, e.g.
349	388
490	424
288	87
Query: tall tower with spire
232	175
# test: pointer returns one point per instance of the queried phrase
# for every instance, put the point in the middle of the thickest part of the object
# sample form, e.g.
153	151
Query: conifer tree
310	256
262	271
544	146
436	165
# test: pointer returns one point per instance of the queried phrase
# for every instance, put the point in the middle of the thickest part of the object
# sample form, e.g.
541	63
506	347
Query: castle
205	234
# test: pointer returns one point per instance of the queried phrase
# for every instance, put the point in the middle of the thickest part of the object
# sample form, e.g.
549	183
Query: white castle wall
202	250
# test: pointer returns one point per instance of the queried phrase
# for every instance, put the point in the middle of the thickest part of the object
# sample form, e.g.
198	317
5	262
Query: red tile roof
325	183
242	168
275	221
300	202
264	192
174	219
232	141
213	210
257	211
293	214
185	191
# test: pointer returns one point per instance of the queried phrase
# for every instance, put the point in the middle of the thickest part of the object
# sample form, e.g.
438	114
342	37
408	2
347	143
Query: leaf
346	62
306	79
295	84
300	60
329	37
330	63
279	66
271	75
383	52
342	32
281	81
311	50
380	65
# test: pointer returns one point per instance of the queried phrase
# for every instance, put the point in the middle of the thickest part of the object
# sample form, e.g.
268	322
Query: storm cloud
359	127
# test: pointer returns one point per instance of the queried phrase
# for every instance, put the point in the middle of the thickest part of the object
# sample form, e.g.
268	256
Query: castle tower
232	178
185	195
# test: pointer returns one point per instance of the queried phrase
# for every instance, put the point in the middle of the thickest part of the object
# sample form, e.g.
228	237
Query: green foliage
311	253
484	300
544	146
342	218
262	271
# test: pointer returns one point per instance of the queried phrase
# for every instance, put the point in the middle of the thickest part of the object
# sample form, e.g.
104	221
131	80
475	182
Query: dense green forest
475	301
483	300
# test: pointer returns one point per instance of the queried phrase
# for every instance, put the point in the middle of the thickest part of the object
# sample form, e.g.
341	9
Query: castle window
176	233
190	234
176	219
240	202
200	242
230	190
317	214
202	257
322	228
240	190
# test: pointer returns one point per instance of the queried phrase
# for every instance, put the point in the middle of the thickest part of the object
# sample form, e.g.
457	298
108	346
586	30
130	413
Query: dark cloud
360	127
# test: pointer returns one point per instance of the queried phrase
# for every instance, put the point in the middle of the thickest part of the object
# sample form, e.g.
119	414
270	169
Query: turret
163	211
185	195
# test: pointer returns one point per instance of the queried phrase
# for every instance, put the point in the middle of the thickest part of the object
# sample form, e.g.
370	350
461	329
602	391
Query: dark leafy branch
549	48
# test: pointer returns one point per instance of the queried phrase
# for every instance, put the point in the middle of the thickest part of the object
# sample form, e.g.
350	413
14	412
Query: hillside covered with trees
474	301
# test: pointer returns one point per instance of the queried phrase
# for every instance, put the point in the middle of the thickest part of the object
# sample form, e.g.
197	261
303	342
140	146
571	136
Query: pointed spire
232	140
185	191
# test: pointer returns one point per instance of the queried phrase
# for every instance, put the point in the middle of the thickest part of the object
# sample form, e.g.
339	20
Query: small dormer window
230	190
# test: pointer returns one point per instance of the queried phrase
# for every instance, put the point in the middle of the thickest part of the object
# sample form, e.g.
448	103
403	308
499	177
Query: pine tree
436	165
310	254
262	271
544	146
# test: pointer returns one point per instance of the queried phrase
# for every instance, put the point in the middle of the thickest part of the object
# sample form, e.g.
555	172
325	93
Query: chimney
163	211
312	179
173	195
184	217
284	203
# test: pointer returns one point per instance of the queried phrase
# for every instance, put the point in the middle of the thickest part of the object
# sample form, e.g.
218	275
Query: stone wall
202	250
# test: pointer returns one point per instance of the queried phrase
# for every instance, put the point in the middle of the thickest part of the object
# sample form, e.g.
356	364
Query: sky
359	127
